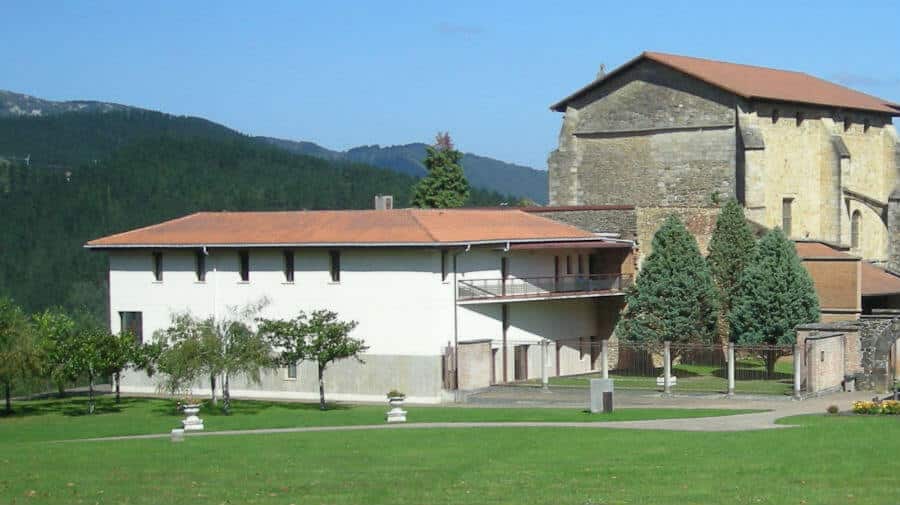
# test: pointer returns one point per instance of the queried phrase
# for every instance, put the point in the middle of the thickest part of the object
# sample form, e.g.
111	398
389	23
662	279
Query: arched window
855	222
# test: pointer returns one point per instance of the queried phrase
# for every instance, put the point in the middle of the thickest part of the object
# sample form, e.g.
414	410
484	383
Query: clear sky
383	72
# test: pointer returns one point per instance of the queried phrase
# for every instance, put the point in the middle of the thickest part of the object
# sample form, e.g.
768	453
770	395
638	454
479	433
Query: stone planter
396	414
192	422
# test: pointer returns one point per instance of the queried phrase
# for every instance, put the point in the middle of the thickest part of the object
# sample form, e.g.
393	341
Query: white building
423	285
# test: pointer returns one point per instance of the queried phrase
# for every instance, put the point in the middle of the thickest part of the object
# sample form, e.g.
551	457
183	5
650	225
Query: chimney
384	202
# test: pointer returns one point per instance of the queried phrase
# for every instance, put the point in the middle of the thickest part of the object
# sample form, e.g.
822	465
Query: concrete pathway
779	408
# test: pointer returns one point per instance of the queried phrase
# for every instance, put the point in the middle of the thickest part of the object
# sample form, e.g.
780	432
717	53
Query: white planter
396	414
192	422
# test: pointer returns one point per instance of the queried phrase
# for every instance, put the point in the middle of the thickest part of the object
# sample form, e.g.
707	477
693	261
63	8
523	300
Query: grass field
700	378
49	420
824	460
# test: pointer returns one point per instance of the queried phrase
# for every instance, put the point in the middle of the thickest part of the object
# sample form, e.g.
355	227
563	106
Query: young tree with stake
320	337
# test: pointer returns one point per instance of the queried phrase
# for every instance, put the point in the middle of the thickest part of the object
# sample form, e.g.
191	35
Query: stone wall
825	363
656	138
474	365
598	219
878	335
650	137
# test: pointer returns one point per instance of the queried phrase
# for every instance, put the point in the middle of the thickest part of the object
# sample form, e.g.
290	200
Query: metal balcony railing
523	287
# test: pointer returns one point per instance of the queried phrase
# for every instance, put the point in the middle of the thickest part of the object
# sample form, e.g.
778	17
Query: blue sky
349	73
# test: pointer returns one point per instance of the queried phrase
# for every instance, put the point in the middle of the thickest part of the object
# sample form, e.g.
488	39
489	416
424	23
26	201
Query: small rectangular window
133	323
292	371
775	115
786	215
200	266
158	266
335	265
569	265
245	265
444	267
580	264
289	266
799	118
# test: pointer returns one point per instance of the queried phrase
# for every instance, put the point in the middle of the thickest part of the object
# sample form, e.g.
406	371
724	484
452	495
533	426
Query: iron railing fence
695	368
474	289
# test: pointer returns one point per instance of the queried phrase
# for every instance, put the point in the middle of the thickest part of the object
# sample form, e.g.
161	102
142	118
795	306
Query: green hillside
481	171
48	214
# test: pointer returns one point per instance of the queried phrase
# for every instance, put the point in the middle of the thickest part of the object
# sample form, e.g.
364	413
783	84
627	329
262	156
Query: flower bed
887	407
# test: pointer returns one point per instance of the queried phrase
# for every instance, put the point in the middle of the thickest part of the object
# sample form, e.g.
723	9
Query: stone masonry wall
894	227
621	220
648	137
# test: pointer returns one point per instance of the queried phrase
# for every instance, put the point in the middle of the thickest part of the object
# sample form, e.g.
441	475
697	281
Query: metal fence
693	368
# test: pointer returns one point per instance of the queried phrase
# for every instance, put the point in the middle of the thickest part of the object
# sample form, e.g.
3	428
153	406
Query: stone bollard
178	435
601	395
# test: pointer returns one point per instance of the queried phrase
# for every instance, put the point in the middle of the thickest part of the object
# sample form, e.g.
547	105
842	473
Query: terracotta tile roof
345	227
757	82
807	250
876	281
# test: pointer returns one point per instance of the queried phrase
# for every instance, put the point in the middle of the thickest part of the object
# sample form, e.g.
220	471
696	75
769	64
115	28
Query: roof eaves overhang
461	243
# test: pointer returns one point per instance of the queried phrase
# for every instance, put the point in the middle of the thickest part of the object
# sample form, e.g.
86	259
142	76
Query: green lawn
828	460
701	378
48	420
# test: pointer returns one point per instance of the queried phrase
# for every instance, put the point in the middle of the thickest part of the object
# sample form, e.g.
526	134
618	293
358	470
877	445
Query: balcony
527	288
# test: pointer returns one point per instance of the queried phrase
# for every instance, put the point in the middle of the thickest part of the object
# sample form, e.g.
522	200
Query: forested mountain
480	171
74	171
48	214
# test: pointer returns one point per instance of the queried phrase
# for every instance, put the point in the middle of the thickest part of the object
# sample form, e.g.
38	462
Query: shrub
833	409
395	394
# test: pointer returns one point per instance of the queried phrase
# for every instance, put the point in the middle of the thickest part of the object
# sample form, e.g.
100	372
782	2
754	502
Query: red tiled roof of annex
757	82
346	227
874	281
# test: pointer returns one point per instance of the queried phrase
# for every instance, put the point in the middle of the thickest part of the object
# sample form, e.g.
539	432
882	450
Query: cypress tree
445	186
775	294
673	298
730	249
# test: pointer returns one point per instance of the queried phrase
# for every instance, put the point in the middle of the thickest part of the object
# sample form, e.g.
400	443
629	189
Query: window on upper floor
847	123
132	322
244	259
335	265
855	223
787	215
289	265
158	266
799	118
775	115
200	266
569	270
292	371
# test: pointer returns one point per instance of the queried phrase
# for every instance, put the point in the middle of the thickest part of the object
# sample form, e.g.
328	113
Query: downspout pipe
456	321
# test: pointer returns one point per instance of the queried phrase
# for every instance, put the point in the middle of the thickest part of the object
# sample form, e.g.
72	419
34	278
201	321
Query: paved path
741	422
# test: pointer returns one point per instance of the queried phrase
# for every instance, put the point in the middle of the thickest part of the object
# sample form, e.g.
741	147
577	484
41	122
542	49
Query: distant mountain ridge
18	104
481	171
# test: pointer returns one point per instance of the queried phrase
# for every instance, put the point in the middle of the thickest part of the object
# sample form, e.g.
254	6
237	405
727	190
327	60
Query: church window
786	215
855	223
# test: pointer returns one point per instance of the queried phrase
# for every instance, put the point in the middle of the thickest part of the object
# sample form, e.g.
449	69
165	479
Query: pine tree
775	294
674	298
730	249
445	186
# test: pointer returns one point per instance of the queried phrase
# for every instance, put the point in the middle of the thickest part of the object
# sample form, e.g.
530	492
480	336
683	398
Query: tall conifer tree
775	294
445	186
730	249
674	298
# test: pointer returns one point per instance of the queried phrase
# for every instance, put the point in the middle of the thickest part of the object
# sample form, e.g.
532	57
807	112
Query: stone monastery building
673	134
